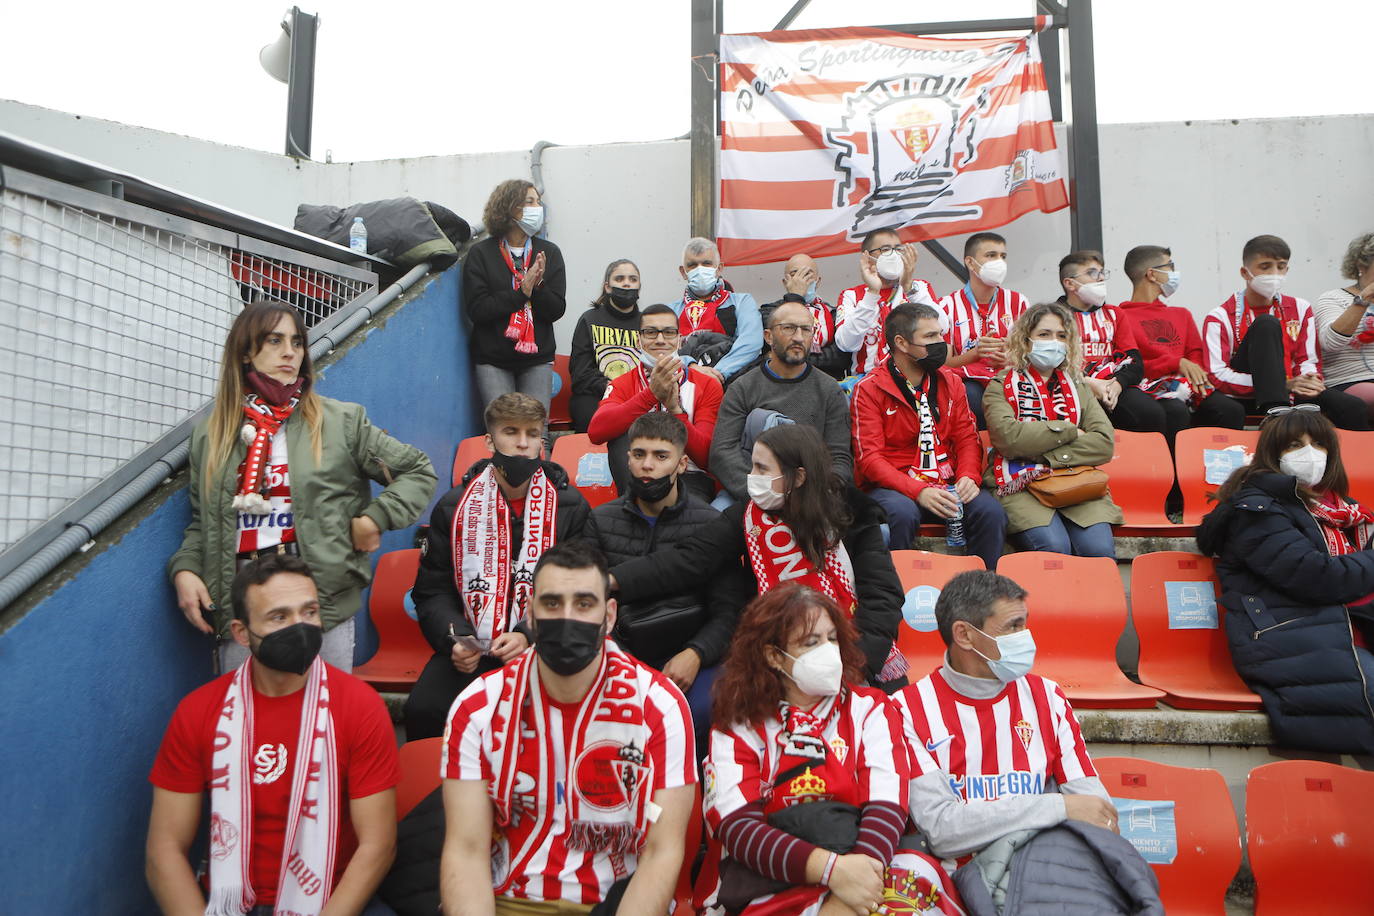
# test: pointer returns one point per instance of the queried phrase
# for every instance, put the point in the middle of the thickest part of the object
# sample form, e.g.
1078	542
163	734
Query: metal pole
971	26
1054	75
1085	169
705	66
791	15
300	84
946	257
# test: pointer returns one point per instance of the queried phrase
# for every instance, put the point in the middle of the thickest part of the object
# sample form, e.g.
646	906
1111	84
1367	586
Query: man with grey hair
994	748
916	449
710	304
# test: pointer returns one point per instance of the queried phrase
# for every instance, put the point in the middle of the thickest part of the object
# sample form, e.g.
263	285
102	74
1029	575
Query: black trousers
1261	355
581	407
426	709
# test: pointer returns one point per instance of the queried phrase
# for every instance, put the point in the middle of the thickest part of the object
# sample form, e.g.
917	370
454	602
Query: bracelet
829	868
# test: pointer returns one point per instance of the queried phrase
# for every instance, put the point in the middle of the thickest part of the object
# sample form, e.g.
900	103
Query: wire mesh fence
111	329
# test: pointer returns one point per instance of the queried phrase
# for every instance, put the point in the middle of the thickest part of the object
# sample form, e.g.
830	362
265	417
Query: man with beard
786	384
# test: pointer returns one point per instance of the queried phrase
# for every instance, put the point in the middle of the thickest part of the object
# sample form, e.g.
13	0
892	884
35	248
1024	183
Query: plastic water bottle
357	236
954	525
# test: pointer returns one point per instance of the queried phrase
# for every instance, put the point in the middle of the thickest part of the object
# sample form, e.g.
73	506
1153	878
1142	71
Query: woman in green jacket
277	468
1042	415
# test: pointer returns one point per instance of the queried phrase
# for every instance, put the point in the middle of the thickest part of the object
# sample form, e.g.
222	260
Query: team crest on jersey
907	892
841	749
608	776
268	764
224	836
1294	328
1025	731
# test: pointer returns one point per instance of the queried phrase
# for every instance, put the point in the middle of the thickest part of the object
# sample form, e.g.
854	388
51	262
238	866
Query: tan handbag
1069	486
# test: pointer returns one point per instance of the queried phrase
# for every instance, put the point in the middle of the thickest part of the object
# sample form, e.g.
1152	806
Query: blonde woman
279	469
1041	416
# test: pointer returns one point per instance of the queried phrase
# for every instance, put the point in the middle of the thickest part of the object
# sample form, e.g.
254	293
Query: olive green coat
1053	443
325	498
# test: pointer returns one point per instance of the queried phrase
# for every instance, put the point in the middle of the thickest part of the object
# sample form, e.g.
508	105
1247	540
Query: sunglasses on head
1282	410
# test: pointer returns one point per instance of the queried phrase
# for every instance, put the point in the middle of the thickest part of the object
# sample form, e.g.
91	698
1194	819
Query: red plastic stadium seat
1309	829
1204	837
1189	457
419	762
1181	653
1357	455
587	467
1141	474
470	451
402	650
1077	613
560	413
923	574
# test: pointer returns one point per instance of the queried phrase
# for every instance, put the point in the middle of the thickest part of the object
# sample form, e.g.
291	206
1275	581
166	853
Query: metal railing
113	316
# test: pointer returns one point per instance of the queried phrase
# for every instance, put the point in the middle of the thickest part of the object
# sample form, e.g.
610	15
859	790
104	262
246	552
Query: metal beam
947	258
705	66
1085	170
1023	24
300	84
1054	74
791	15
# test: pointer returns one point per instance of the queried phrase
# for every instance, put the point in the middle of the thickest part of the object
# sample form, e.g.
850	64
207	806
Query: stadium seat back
1077	613
1310	834
923	575
401	650
1141	473
419	762
1182	821
587	465
470	451
1357	455
560	410
1207	452
1183	648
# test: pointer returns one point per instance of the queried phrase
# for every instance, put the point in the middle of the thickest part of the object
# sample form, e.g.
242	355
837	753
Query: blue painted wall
90	676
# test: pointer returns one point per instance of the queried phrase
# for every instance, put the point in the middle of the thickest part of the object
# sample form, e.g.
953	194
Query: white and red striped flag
827	134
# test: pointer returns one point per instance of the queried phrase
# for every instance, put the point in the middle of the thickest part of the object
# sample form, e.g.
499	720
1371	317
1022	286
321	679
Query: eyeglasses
657	333
1167	265
1094	273
884	249
1282	410
790	330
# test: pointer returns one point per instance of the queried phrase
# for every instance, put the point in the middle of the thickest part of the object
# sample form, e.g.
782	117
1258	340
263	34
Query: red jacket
885	429
628	398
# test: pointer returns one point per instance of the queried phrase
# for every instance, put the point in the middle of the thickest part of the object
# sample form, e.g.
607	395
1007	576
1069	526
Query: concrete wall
1202	188
91	672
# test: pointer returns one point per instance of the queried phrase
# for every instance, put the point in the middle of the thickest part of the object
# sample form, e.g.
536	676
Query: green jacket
325	498
1054	443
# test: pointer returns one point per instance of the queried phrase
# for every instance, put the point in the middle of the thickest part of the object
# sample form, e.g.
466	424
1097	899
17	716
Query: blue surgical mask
810	293
1048	355
1018	655
1170	285
531	219
702	281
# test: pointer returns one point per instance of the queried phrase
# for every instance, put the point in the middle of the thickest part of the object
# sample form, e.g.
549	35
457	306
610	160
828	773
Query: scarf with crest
1033	398
267	404
700	314
521	326
1345	527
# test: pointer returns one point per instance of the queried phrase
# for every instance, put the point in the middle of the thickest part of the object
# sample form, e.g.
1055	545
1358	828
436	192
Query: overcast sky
410	78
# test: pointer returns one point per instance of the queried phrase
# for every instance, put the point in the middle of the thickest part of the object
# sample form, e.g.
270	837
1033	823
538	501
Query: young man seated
660	383
977	318
568	773
1262	344
710	304
888	270
916	450
485	536
299	759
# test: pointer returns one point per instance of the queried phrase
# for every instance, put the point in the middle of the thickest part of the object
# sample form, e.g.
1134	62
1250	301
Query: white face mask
889	265
993	272
702	280
1093	294
1170	284
1018	655
1047	355
1266	285
818	672
531	219
1308	464
760	487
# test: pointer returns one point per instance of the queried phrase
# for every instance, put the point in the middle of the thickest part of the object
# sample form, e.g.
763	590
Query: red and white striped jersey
860	315
1103	334
865	733
278	526
1224	328
963	321
1009	744
557	872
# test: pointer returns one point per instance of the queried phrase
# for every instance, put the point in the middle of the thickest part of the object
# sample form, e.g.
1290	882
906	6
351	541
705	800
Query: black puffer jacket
721	544
623	534
1287	618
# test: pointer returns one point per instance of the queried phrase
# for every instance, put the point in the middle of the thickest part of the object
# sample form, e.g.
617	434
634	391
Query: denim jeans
535	381
985	523
1063	536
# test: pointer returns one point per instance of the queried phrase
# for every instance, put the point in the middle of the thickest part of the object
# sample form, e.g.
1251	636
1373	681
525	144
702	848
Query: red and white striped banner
827	134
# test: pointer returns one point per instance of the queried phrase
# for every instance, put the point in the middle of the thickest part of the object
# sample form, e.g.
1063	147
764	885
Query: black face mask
291	649
653	490
624	299
567	646
515	468
936	354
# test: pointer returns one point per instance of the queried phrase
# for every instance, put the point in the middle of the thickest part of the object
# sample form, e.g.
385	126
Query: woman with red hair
806	775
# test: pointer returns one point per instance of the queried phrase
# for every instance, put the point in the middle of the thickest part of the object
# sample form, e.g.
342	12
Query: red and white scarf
932	459
1031	399
483	566
610	772
1346	527
700	314
312	821
776	557
267	404
521	326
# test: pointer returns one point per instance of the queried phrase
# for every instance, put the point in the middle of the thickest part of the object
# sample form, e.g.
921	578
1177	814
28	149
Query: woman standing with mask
514	289
1297	580
605	343
279	469
1043	416
807	773
800	524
